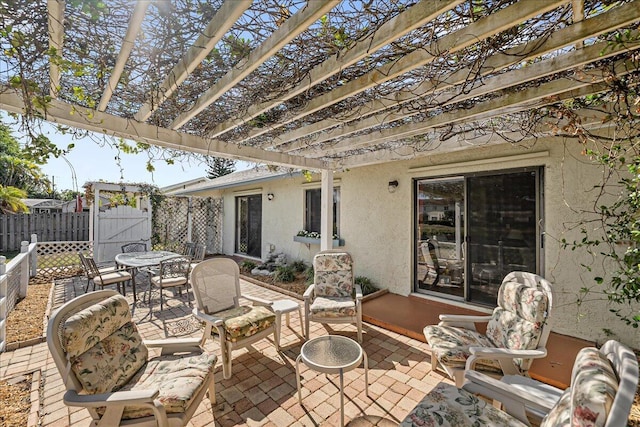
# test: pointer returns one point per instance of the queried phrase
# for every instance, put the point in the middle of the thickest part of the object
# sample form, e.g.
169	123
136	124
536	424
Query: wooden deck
409	315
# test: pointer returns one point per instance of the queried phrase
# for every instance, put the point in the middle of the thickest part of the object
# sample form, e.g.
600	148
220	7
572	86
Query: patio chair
216	285
106	368
104	276
517	331
173	273
188	249
198	254
333	297
603	385
134	247
430	257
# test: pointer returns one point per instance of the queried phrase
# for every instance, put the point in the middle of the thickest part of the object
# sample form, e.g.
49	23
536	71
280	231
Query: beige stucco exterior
377	225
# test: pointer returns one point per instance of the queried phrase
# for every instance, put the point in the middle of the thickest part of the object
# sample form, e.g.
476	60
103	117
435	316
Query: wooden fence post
24	269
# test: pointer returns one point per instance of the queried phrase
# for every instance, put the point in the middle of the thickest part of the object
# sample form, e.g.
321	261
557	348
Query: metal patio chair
134	247
104	276
173	273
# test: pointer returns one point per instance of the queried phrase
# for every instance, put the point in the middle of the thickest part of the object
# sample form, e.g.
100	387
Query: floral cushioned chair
603	385
517	331
216	285
333	297
106	366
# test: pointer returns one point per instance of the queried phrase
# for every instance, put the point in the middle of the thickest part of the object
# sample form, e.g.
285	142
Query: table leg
298	379
133	285
366	373
341	399
301	322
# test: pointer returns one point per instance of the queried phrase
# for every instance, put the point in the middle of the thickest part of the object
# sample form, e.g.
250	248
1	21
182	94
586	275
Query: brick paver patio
262	390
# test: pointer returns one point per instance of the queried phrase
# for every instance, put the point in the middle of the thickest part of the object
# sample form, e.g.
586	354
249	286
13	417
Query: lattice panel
13	287
171	222
60	259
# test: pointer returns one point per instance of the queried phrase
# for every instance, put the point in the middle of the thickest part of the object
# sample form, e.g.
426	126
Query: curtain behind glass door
502	230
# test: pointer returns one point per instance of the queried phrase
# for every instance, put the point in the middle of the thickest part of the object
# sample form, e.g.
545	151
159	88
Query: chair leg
225	349
359	326
212	390
161	308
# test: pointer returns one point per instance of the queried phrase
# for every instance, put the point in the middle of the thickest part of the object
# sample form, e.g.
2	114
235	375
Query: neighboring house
488	210
44	205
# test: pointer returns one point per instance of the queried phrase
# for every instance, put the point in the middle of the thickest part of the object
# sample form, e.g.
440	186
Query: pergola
317	85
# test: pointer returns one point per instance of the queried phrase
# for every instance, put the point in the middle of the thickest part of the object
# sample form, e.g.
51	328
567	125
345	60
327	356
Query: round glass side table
333	354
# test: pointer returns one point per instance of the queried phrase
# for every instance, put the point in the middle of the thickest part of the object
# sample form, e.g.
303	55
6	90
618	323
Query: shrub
298	266
284	274
309	273
247	266
366	285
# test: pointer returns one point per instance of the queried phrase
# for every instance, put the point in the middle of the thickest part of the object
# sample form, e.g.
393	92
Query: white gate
117	226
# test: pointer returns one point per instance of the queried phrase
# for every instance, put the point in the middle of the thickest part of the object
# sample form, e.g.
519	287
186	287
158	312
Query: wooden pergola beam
222	21
568	61
453	42
407	21
616	18
107	124
133	29
278	39
55	10
469	140
535	97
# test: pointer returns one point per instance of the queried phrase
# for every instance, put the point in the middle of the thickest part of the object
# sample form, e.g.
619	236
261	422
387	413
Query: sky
92	162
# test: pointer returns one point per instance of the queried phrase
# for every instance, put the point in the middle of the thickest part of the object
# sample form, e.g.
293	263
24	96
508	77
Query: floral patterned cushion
451	346
177	378
333	307
593	388
103	346
523	300
333	274
517	321
560	414
449	406
87	327
245	321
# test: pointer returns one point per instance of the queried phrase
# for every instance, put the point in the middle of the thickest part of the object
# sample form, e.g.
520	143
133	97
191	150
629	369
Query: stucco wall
377	225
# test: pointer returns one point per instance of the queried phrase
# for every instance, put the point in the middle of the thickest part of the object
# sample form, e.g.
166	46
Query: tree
218	167
18	168
11	199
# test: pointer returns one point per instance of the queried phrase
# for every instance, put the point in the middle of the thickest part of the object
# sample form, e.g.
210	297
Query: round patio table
141	260
333	354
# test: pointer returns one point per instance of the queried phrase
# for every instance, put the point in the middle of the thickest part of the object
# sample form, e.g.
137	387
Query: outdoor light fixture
393	185
270	196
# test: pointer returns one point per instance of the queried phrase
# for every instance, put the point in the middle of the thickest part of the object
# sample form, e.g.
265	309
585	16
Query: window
312	210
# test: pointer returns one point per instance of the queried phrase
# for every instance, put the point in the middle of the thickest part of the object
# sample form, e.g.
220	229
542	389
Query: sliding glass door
473	230
249	225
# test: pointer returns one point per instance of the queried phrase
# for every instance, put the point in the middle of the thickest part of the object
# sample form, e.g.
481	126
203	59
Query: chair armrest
215	321
462	321
308	293
258	300
132	397
514	400
358	292
176	345
506	353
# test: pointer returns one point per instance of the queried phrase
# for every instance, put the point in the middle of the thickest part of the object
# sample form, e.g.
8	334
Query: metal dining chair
134	247
173	273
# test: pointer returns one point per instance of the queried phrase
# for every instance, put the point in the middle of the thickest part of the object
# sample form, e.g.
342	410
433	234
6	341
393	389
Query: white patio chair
106	368
216	285
517	331
333	297
603	385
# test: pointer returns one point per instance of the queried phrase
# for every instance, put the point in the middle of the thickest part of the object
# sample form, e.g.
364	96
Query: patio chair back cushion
589	400
333	274
518	319
103	345
217	285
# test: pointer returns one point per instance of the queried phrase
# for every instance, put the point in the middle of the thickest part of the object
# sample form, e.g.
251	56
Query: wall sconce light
393	185
270	196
